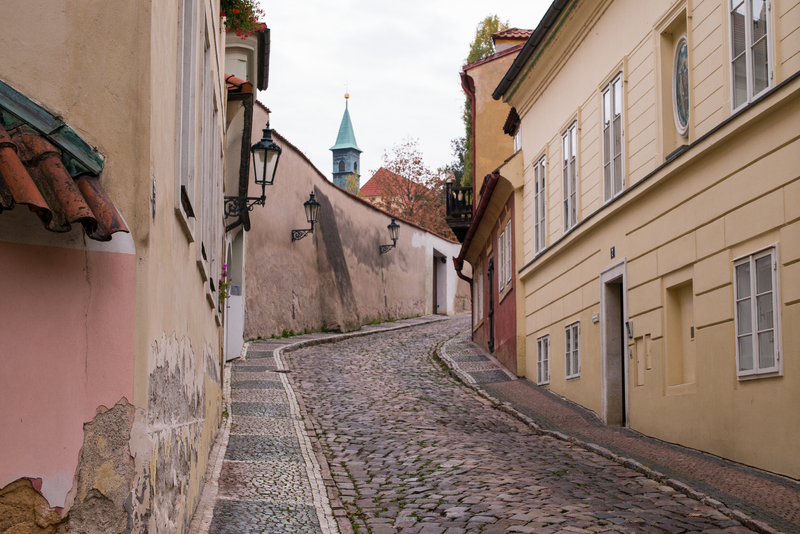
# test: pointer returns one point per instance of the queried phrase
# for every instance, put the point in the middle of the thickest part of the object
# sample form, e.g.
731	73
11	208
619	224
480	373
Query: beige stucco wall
335	278
492	146
734	192
116	85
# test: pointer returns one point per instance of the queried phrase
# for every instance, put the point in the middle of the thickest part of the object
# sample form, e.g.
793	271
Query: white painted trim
22	226
607	275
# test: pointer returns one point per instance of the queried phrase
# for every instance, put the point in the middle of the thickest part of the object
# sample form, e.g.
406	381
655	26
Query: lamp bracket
386	248
297	235
235	206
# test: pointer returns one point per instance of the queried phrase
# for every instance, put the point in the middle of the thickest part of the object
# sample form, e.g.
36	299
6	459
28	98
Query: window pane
760	67
740	81
576	338
569	343
565	148
547	370
766	350
744	317
763	274
574	140
764	308
746	353
606	108
743	281
617	174
618	96
759	19
738	24
575	363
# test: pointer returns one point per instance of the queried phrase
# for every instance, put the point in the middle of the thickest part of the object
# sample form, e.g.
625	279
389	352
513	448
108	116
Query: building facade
661	231
492	239
111	231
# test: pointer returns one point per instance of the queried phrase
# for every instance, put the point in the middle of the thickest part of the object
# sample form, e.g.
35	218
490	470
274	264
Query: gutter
531	46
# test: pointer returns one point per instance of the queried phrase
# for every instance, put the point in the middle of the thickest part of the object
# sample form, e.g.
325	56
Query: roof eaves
543	30
17	108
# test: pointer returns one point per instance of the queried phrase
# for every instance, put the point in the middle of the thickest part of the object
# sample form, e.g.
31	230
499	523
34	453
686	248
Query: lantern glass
259	169
394	229
312	209
265	158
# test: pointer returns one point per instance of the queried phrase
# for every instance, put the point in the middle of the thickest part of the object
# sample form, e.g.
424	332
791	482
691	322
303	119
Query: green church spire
346	137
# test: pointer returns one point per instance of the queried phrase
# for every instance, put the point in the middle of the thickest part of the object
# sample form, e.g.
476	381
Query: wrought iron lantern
265	163
311	207
394	230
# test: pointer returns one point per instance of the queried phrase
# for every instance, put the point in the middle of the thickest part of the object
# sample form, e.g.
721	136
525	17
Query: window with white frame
477	295
613	181
187	120
539	204
757	314
751	71
543	360
508	254
518	140
569	146
501	262
572	344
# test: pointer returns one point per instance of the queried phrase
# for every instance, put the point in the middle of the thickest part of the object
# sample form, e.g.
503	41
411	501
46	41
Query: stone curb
507	407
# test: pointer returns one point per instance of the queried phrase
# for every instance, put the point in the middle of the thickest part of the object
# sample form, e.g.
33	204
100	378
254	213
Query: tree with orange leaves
411	190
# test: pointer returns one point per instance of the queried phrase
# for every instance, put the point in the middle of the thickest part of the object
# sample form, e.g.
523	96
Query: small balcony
459	209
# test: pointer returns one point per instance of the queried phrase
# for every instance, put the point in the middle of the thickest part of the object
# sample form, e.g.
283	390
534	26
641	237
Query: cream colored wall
116	86
492	146
731	194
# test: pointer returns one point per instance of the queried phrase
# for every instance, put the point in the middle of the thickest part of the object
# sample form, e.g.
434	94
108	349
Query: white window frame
569	168
748	50
613	109
757	371
477	289
509	268
501	263
518	140
572	351
543	360
539	206
187	118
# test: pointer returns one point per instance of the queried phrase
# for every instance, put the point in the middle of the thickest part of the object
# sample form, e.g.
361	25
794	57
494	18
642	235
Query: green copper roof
346	137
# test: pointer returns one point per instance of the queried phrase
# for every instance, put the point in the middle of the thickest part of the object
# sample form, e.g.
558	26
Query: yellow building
661	218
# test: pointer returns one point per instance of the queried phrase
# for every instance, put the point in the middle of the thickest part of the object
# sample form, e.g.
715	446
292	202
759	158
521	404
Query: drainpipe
468	84
247	100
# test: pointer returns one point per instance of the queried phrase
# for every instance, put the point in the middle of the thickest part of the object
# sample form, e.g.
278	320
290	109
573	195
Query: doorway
613	311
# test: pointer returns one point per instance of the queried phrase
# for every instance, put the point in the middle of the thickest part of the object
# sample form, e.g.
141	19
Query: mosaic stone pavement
414	452
265	484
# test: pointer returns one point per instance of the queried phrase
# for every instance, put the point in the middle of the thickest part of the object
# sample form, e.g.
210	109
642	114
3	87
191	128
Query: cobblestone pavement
772	499
265	475
413	451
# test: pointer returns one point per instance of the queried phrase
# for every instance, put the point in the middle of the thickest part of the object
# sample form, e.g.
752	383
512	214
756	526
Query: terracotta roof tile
512	121
374	186
32	174
238	85
513	34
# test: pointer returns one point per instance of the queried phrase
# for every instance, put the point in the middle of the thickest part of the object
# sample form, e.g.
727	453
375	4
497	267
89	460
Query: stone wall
336	278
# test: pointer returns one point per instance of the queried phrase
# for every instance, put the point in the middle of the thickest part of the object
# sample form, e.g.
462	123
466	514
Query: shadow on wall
334	274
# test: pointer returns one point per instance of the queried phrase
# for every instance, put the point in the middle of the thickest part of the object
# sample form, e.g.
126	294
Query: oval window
680	86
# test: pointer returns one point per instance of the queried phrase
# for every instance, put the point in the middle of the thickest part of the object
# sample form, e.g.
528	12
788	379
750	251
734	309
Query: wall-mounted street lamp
394	229
265	162
312	211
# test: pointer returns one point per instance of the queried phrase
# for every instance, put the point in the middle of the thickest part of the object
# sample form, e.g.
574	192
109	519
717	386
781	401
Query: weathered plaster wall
335	278
132	339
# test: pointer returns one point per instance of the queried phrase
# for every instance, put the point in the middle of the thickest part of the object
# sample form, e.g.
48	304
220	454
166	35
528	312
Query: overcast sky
401	60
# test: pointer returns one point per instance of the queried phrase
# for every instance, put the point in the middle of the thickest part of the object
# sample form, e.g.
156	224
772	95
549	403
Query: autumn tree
351	184
411	190
482	46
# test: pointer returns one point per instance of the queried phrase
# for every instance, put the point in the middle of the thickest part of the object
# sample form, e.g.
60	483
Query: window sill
504	294
187	223
769	374
572	378
542	384
477	326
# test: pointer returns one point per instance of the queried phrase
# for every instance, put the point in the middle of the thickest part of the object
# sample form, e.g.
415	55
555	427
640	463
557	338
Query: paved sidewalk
748	492
266	474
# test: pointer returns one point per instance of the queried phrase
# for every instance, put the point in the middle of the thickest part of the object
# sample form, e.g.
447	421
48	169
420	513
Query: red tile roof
512	34
238	85
374	186
32	174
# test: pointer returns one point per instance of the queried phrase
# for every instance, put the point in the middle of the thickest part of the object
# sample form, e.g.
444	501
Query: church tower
346	154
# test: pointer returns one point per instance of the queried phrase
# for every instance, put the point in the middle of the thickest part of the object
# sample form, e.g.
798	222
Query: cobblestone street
413	451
